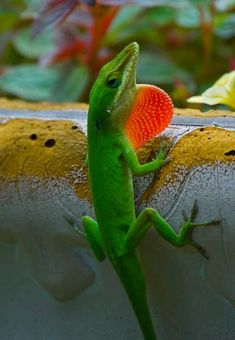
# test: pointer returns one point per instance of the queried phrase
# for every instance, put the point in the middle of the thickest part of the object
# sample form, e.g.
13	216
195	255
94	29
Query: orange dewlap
150	114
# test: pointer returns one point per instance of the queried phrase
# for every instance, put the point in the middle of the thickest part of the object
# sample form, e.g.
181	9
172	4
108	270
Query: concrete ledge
43	191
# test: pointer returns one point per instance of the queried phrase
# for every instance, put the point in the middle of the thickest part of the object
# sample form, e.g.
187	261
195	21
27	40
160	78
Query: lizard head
115	88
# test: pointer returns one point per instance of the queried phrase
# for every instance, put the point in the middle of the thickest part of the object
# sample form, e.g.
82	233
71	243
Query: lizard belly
113	198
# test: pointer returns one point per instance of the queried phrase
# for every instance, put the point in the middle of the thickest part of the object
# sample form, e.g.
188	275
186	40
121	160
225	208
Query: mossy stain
24	152
193	150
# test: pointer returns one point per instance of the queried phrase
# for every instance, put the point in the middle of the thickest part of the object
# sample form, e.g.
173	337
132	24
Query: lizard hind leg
149	217
94	237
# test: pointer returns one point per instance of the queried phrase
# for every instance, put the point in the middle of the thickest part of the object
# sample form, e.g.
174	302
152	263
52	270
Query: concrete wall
51	286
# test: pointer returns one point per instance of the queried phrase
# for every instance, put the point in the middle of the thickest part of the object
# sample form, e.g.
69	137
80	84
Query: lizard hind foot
94	237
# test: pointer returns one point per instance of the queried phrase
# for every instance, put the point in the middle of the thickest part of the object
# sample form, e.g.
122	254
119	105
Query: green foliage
55	52
33	47
162	70
71	84
33	82
225	26
29	82
188	17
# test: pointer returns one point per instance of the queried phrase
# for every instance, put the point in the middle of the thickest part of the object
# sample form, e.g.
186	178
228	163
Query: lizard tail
130	273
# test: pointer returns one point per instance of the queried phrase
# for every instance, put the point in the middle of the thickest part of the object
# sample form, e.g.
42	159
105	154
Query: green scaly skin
111	163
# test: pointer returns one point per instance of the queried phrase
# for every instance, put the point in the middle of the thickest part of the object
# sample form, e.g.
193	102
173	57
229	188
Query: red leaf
102	19
54	12
66	51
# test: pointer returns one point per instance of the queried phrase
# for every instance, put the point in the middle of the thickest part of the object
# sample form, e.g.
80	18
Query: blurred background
52	50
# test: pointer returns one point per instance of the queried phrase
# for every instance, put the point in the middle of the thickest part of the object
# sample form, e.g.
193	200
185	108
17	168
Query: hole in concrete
230	153
50	143
33	136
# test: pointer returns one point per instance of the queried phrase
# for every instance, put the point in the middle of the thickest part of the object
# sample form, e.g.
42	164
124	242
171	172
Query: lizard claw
167	160
185	216
201	250
194	210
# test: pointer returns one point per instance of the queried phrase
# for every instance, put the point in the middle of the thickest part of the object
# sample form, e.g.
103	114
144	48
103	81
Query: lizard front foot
162	157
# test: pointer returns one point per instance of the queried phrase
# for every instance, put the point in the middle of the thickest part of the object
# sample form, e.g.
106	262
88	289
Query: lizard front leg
142	169
149	217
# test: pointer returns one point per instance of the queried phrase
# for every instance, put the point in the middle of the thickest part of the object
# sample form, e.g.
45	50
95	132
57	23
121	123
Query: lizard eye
113	82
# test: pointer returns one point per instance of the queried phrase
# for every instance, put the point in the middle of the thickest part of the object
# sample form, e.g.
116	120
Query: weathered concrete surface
43	191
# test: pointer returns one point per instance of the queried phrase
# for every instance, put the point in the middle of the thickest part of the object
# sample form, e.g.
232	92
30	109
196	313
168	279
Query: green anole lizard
123	116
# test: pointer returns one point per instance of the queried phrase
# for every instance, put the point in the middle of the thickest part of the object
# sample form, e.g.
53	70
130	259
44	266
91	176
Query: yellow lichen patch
198	114
20	104
202	146
31	147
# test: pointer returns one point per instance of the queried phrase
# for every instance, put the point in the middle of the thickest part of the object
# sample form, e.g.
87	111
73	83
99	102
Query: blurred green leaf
200	2
32	7
71	85
125	15
161	16
33	47
29	82
188	17
34	3
225	26
224	5
156	69
32	82
122	32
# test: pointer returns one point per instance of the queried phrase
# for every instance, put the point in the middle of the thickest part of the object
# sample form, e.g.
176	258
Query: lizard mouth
127	65
129	73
